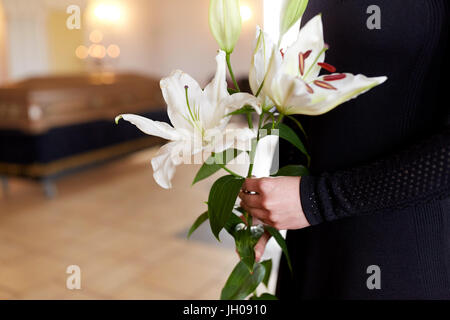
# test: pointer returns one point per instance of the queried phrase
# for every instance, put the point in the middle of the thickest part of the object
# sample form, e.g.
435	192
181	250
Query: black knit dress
379	192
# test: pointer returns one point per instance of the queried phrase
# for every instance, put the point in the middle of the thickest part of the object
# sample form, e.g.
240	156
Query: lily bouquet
285	80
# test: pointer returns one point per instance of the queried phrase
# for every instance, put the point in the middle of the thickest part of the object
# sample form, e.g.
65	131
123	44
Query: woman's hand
274	201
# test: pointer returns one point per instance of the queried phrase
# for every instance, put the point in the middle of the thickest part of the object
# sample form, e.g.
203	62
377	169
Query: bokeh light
246	13
113	51
108	12
82	52
96	36
97	51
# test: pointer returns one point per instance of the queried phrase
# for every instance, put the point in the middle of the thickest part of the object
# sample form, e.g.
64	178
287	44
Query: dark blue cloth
17	147
380	183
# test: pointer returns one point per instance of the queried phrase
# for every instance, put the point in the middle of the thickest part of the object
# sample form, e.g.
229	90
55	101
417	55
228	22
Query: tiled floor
120	228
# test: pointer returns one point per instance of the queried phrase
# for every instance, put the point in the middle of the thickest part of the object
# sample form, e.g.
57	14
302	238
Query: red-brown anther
282	53
306	55
327	67
301	61
334	77
309	89
324	85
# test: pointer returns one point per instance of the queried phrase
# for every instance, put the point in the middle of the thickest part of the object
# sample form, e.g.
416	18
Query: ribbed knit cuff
308	200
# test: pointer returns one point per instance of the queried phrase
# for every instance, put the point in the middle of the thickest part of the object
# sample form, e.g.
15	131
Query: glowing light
113	51
246	13
96	36
82	52
97	51
108	12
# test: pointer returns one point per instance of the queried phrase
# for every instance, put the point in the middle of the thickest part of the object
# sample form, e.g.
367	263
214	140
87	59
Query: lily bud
291	12
225	23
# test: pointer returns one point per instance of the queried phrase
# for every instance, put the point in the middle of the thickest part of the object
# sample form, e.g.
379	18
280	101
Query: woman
373	219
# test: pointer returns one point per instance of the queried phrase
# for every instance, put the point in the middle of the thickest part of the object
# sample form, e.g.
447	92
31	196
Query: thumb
261	246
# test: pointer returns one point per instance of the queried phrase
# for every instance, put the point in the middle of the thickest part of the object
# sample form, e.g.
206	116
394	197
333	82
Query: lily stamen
327	66
195	117
334	77
325	48
309	89
324	85
301	61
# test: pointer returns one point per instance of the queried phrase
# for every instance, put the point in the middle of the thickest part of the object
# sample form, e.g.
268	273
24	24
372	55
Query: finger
251	185
256	221
260	214
251	200
260	246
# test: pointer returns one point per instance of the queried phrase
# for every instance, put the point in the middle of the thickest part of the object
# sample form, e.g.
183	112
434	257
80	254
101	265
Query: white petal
284	89
240	164
309	38
238	100
150	127
164	166
215	91
324	100
266	157
174	93
222	139
263	48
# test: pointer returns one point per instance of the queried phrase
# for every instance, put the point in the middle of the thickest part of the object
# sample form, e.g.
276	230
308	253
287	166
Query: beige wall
62	44
162	35
3	61
155	37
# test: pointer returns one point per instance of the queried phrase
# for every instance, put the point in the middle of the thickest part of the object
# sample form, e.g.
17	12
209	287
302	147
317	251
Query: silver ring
250	192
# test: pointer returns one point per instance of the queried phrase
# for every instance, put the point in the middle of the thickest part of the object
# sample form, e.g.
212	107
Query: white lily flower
266	159
199	119
293	83
225	23
262	52
291	13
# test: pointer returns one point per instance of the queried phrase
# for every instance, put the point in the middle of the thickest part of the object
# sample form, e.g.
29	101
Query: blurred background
75	188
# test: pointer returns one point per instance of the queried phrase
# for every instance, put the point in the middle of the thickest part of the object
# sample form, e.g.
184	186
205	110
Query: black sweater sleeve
420	173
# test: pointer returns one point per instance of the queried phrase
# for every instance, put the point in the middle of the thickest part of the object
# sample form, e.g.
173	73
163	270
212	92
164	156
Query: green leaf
281	242
221	201
268	266
245	248
292	171
244	110
264	296
246	240
299	125
288	134
231	224
214	163
202	218
241	283
232	91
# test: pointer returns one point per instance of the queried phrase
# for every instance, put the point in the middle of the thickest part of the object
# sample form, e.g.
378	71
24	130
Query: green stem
280	119
230	172
230	69
315	62
250	168
260	88
250	120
